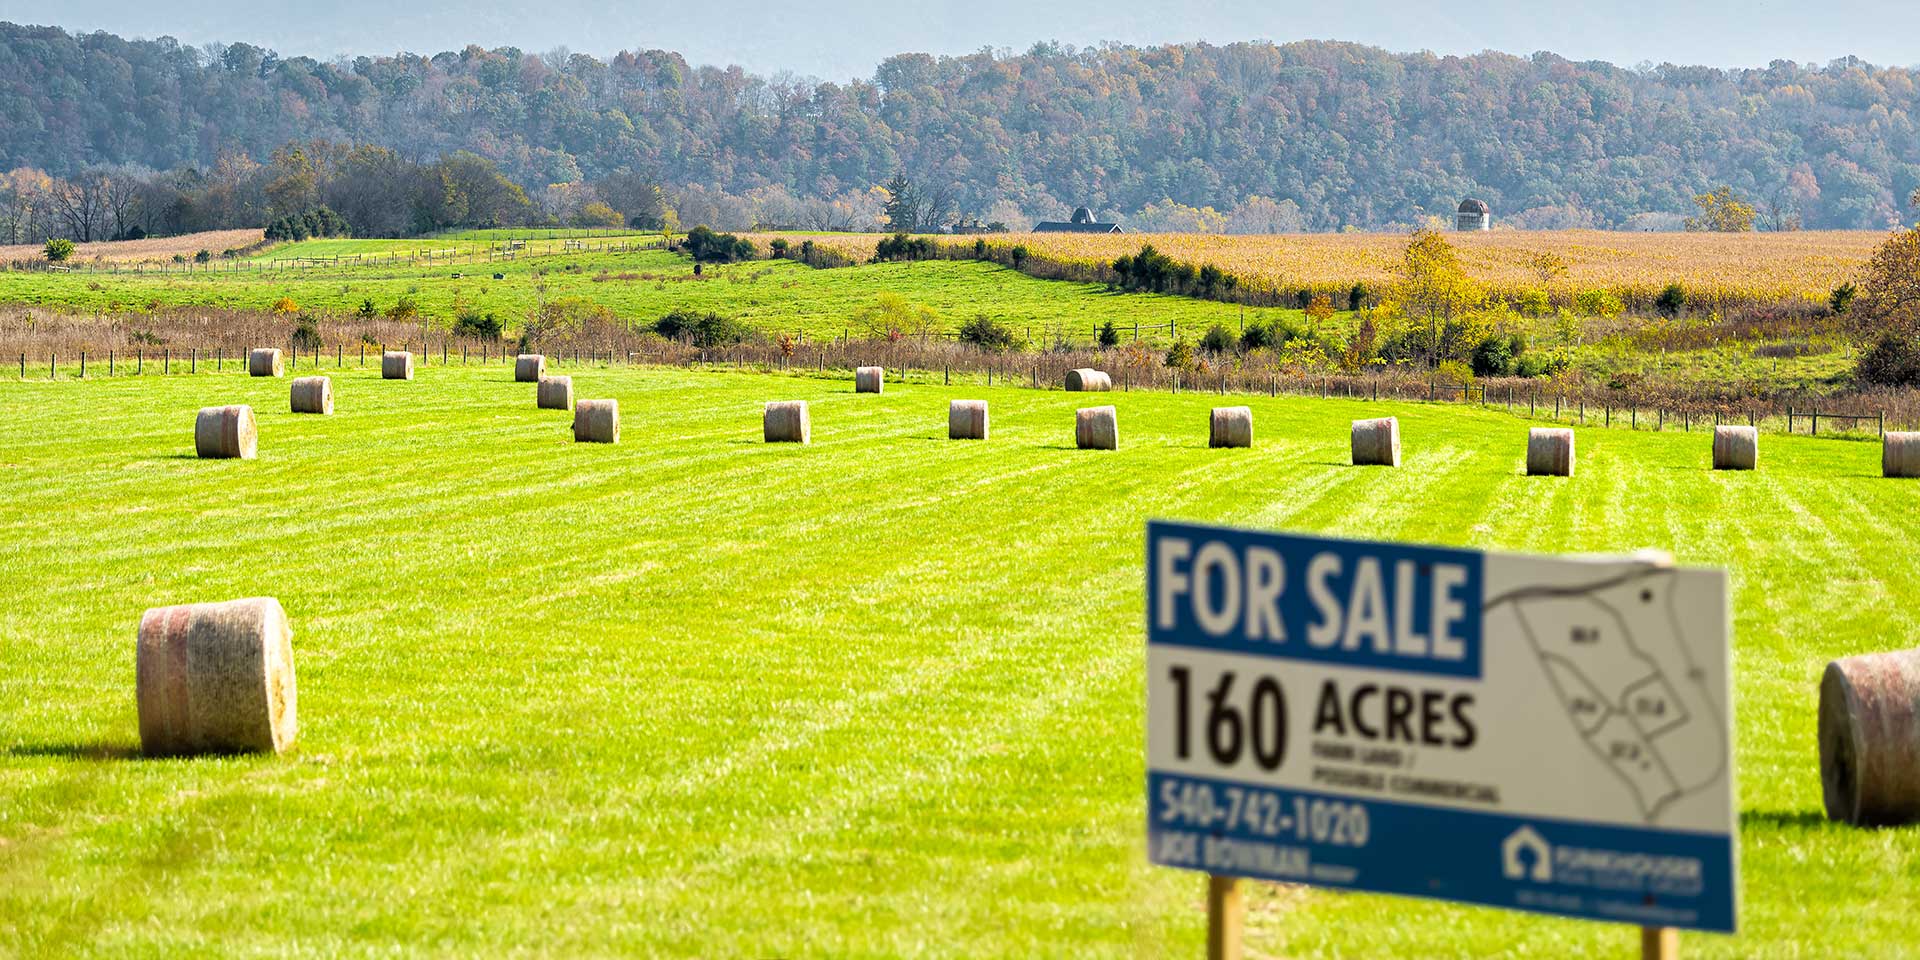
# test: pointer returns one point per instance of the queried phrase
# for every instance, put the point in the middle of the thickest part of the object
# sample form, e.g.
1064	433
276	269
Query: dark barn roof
1471	205
1061	226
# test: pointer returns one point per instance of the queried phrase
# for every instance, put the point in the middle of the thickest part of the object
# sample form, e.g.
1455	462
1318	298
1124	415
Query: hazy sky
847	38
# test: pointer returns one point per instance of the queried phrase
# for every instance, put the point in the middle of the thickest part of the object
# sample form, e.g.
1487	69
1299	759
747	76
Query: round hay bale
1735	448
226	433
1550	452
1084	380
1096	428
787	421
529	368
1376	443
215	678
313	395
554	393
265	362
596	421
869	380
396	365
1230	427
1900	455
1870	739
967	420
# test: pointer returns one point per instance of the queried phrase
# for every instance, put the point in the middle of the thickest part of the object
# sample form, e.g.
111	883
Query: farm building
1082	222
1473	215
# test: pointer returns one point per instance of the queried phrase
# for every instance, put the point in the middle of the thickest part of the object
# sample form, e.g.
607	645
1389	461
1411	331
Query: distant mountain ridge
1354	135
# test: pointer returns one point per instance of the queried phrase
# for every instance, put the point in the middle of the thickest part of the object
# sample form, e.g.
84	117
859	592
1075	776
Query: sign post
1543	734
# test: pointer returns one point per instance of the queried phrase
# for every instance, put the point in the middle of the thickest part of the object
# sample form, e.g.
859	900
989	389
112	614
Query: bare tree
81	205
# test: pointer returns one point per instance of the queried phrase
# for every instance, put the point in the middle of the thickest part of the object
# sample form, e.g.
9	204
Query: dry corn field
1746	267
151	250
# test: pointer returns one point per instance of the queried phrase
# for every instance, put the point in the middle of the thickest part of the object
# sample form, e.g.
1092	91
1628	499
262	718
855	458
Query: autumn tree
1721	212
1885	314
1433	288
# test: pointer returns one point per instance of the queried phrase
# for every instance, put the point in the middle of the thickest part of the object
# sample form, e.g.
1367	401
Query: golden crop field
151	250
1735	266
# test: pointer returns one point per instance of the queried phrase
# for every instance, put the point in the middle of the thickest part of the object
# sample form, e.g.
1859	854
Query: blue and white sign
1547	734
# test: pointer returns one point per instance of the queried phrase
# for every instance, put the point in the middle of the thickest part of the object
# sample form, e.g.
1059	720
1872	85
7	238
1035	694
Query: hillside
1351	135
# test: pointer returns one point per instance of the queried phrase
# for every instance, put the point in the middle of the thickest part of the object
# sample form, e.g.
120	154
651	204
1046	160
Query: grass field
776	296
698	695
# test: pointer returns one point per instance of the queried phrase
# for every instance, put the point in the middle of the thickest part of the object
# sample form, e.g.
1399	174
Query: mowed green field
778	296
696	695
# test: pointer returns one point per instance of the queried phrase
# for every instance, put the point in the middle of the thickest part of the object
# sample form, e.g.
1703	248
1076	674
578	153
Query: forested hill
1355	136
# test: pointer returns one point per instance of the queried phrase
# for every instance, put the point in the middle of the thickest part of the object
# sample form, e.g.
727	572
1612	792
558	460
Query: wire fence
1131	367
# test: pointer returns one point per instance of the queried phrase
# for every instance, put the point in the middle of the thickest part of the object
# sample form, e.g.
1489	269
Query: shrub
403	309
1218	340
704	330
1533	302
367	310
1598	303
306	332
285	305
1542	364
1494	356
204	256
59	249
1257	335
1892	362
1180	357
705	246
902	247
1672	301
1357	297
1320	309
987	333
777	248
1109	337
1842	298
472	323
1018	255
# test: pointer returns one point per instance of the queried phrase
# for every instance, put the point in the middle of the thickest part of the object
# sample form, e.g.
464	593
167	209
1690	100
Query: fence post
109	363
23	366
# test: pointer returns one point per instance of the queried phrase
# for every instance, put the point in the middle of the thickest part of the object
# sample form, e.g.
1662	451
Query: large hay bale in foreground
787	421
1376	443
1550	452
869	380
554	393
596	421
1084	380
226	433
312	395
1735	448
215	678
1230	427
1096	428
1900	454
529	368
265	362
967	420
396	365
1870	739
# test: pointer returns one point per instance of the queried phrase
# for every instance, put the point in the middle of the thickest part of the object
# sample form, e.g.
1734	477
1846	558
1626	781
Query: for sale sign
1547	734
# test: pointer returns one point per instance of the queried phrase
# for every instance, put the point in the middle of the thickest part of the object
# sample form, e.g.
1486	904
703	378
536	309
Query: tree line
1322	135
307	189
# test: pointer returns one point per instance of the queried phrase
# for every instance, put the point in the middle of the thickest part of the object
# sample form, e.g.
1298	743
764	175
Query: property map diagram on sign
1628	680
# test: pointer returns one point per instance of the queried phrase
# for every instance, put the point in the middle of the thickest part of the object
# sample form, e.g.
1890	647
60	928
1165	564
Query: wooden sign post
1659	943
1226	917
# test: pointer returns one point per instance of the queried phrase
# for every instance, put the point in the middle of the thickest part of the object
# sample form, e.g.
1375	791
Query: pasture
694	694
